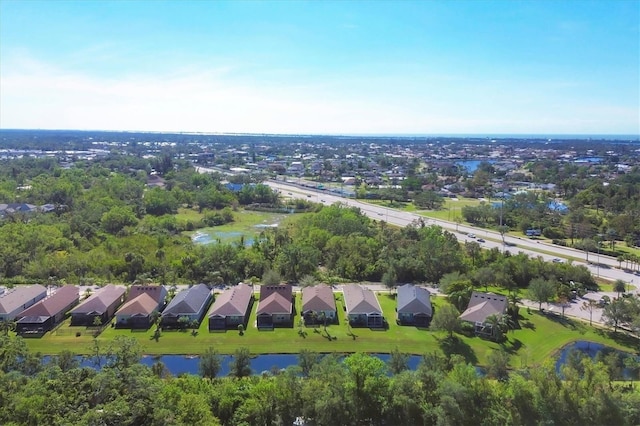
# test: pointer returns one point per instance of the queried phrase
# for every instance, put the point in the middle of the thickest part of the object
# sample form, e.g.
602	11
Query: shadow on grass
563	321
621	337
511	346
529	325
455	345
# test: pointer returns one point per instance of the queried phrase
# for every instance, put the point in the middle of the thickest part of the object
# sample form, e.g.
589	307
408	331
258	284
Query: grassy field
451	208
246	223
538	338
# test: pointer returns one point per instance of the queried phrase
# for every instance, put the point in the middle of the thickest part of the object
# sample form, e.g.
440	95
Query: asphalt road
600	266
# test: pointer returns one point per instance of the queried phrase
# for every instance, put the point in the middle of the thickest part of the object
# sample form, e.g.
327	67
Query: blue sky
330	67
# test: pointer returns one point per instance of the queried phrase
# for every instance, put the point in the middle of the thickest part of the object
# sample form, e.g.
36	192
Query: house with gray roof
362	306
47	313
275	307
101	304
231	308
191	303
20	298
414	306
141	301
482	306
318	305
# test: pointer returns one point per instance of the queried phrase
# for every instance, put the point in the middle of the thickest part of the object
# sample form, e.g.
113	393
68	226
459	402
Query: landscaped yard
537	339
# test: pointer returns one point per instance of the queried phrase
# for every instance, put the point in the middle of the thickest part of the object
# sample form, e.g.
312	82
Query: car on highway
480	240
471	235
557	260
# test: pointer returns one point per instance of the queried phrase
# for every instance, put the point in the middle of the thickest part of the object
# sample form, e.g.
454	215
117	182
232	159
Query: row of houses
35	313
276	307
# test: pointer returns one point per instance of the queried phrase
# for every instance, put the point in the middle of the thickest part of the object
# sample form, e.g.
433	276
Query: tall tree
446	319
590	306
541	291
619	286
210	363
398	361
618	312
240	366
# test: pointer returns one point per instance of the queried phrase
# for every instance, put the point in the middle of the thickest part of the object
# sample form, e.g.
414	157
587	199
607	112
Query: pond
246	229
590	349
181	364
210	235
472	165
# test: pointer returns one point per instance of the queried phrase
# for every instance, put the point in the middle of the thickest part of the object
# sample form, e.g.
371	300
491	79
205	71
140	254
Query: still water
181	364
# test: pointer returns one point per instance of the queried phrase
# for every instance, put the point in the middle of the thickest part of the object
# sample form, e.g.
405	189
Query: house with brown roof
362	306
482	306
318	305
231	308
275	307
190	303
47	313
102	304
142	300
20	298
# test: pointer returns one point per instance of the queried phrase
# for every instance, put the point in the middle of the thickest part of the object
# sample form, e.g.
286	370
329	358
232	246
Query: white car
471	235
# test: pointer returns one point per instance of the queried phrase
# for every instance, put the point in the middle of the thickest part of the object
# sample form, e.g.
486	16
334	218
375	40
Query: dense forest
323	390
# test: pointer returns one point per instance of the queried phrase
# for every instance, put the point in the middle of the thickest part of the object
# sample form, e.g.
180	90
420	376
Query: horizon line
548	136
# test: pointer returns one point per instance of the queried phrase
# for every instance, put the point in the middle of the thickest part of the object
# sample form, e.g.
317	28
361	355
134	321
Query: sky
322	67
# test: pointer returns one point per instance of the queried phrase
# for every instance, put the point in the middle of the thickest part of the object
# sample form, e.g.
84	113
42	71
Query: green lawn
451	209
246	223
538	338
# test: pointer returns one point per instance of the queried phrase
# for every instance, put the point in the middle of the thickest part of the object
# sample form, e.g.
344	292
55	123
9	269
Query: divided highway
602	266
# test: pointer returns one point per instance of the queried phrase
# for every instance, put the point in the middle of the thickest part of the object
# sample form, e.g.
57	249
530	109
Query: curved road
604	266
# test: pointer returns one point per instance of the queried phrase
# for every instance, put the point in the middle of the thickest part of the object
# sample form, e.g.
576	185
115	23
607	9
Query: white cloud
34	94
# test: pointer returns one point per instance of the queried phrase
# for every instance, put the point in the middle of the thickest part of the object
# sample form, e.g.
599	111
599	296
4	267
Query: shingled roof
275	299
360	300
18	296
100	301
157	292
318	298
53	304
414	300
232	302
188	302
144	304
483	305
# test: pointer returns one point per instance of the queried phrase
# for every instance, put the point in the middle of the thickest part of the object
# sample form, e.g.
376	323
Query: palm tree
499	326
154	317
589	306
7	325
619	286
